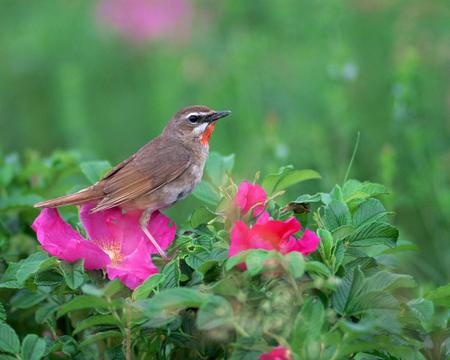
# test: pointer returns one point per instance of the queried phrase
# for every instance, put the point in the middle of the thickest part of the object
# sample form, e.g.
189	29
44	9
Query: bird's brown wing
153	166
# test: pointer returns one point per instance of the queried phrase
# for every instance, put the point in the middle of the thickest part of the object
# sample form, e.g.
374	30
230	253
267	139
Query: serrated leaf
101	336
95	320
440	296
8	280
2	313
369	211
33	347
377	233
94	170
356	190
33	264
83	302
73	273
25	299
336	214
349	287
9	341
147	287
326	244
216	312
387	281
171	274
423	309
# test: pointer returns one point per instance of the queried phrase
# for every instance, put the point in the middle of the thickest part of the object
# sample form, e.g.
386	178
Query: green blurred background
302	77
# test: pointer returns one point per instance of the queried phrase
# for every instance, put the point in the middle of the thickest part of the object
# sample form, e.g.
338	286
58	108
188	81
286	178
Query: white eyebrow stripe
198	113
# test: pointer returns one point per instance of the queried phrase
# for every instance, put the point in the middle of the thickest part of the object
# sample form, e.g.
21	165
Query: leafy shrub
344	300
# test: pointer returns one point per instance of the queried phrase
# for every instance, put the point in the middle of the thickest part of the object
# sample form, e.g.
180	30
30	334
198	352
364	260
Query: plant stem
355	149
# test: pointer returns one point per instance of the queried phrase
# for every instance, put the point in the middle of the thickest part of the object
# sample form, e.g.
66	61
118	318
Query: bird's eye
193	118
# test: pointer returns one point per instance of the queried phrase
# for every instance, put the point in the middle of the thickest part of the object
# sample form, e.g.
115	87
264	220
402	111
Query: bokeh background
302	78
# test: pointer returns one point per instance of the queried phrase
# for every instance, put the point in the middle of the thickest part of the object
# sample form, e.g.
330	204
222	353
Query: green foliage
345	300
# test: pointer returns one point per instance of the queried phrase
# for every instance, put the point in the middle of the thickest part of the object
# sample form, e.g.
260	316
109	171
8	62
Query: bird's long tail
78	198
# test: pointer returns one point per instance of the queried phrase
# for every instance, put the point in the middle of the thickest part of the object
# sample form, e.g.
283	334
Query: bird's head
194	123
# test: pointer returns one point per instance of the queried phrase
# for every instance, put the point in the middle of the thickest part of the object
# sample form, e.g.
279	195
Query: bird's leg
143	221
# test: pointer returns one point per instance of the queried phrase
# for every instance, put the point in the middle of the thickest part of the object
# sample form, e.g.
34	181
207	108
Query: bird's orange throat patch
204	138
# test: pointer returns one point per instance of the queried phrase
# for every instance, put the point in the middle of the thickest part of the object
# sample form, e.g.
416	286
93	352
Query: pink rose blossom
116	241
141	20
277	353
272	235
249	197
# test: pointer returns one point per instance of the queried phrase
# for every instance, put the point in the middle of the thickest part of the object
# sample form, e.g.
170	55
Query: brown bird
159	174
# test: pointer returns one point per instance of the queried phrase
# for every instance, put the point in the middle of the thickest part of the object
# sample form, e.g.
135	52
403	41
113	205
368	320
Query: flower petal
59	239
240	236
135	268
250	196
306	244
277	353
271	234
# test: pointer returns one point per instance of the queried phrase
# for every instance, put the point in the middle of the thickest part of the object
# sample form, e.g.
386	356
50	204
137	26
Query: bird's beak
216	115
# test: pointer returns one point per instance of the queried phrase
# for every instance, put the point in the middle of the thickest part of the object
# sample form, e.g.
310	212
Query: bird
160	173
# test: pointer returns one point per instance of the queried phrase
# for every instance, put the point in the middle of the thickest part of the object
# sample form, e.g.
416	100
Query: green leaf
101	336
307	198
377	233
336	214
387	281
349	287
9	341
165	306
287	177
33	347
94	170
440	296
308	324
9	278
422	309
95	320
354	190
206	193
217	166
295	264
83	302
113	287
146	288
2	313
325	244
318	268
216	312
44	312
171	275
73	273
25	299
201	216
255	261
33	264
242	256
369	211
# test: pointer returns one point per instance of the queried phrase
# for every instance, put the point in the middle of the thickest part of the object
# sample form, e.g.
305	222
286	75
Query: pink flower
272	235
277	353
249	197
116	241
140	20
